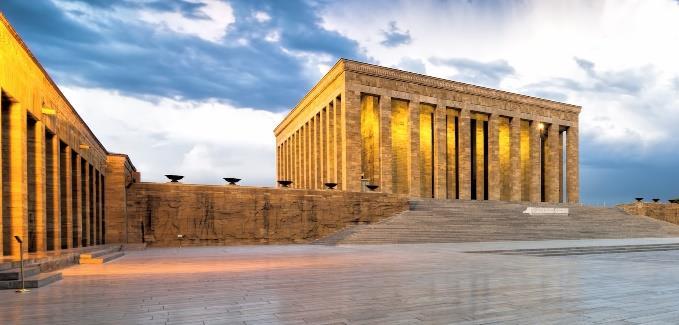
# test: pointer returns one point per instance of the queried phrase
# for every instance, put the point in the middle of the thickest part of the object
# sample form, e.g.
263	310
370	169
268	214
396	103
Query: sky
195	87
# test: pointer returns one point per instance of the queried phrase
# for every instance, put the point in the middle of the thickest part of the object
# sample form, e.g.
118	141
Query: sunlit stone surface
371	284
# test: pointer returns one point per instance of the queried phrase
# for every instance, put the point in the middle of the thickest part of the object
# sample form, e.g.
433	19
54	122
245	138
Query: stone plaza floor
366	284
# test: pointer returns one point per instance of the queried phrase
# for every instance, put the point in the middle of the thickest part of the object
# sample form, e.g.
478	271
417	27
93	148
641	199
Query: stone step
566	251
102	258
35	281
100	252
15	274
432	221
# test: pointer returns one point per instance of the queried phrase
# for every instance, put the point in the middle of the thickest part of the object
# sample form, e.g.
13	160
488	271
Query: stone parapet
235	215
668	212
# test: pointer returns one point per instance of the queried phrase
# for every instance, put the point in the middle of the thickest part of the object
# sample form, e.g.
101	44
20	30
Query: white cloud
204	141
212	26
628	99
273	36
262	16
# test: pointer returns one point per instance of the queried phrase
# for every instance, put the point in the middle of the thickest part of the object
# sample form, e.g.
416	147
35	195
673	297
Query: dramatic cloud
488	74
203	140
196	86
209	22
395	37
611	57
195	50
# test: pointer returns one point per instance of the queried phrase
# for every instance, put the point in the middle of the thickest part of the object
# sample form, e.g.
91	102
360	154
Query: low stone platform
363	284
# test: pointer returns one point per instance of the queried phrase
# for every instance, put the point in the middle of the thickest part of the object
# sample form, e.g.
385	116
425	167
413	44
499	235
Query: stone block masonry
233	215
668	212
54	168
462	141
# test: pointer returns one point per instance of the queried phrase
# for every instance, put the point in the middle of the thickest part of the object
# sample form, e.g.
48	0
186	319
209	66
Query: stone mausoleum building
422	136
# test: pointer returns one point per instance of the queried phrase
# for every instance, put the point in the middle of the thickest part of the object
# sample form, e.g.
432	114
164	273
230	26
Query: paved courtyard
371	284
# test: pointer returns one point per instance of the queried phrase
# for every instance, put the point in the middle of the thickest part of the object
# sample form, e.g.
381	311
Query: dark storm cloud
488	74
125	54
394	36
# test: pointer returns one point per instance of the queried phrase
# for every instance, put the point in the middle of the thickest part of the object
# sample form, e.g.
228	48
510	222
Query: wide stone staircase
450	221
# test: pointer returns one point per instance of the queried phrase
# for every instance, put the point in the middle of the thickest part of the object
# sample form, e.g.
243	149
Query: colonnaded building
70	200
59	183
428	137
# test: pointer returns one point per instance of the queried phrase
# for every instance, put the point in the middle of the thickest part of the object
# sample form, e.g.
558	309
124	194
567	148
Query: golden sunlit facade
54	169
421	136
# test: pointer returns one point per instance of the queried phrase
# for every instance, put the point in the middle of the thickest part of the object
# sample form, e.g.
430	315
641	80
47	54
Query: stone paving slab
366	284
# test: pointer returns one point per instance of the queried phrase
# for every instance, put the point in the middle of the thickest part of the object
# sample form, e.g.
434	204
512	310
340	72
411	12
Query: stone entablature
502	97
428	137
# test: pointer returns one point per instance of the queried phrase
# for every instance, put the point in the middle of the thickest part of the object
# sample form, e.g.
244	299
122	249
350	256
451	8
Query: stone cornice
410	77
327	79
16	36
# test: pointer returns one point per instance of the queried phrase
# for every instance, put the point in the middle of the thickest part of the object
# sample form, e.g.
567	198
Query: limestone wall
662	211
232	215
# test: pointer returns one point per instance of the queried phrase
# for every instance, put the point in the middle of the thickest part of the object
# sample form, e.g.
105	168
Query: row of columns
312	155
429	150
458	153
51	196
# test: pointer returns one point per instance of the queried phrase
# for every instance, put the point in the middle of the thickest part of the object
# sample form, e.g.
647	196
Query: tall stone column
100	207
493	158
465	169
385	151
316	152
78	201
311	181
289	150
535	149
94	212
451	153
311	161
311	165
515	158
414	159
86	203
66	198
36	187
295	160
3	155
18	178
54	192
440	150
322	154
352	140
572	165
303	155
560	161
552	164
330	144
480	160
340	142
